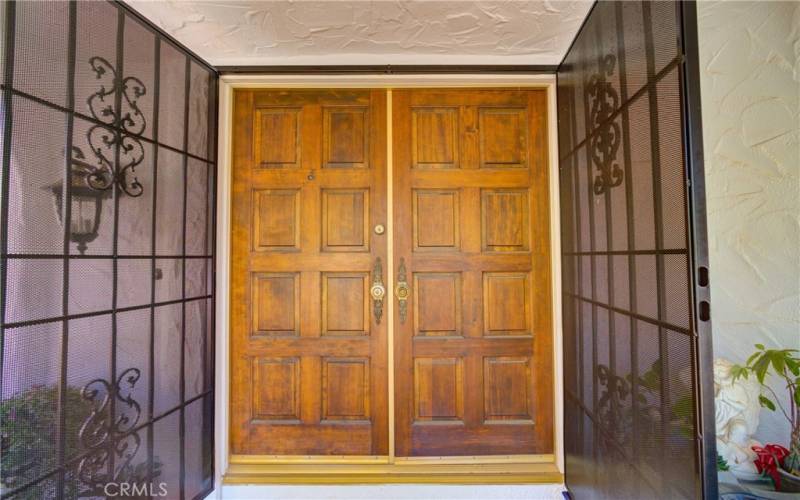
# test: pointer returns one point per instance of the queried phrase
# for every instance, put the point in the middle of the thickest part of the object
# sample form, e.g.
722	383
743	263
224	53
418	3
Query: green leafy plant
681	410
28	430
785	365
722	464
29	426
617	414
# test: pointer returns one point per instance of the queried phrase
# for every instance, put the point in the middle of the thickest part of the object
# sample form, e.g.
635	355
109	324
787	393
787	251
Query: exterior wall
750	87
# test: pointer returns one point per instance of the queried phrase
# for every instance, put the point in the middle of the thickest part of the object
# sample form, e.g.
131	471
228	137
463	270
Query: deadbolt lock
379	229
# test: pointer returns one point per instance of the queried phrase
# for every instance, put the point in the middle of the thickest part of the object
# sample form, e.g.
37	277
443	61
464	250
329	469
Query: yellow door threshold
372	470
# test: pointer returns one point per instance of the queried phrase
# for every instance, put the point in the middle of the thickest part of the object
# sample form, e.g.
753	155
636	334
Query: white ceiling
281	32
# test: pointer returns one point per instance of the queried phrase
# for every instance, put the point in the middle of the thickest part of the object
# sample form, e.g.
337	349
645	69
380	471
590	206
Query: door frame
548	469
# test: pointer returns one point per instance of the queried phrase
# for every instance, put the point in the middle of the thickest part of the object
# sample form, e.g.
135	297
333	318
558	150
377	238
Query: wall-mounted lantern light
86	204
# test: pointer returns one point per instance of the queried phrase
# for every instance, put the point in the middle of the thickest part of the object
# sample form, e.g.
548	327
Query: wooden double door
460	344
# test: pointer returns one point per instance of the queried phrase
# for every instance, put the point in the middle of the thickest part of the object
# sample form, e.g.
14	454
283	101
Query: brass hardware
401	291
378	291
379	229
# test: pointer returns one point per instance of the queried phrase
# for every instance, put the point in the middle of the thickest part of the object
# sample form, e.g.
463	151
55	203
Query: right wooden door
473	336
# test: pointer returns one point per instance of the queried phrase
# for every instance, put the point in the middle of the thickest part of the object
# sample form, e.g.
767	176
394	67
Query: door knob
401	291
377	291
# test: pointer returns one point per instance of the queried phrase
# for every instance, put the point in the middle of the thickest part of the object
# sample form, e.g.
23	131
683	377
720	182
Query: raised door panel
345	389
503	137
345	137
436	220
437	304
345	309
345	220
276	220
276	304
473	355
434	137
276	141
505	220
309	357
506	304
438	390
276	389
507	389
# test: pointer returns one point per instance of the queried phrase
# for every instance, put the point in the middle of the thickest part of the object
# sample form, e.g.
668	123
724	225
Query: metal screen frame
107	396
577	415
693	131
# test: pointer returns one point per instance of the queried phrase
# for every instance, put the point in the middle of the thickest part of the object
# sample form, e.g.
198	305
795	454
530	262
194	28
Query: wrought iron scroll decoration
604	143
103	141
104	433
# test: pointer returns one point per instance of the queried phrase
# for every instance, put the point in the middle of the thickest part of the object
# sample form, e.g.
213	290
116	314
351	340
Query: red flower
769	458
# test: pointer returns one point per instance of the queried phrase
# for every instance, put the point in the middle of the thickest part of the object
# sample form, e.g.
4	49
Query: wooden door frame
494	470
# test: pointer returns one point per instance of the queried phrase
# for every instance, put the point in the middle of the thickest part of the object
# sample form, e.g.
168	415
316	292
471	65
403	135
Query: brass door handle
401	291
377	291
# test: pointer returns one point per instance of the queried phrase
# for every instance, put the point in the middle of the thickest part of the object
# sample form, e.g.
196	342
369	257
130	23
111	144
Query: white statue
737	410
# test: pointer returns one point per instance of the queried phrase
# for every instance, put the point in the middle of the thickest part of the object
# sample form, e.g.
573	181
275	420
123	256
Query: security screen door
106	265
638	415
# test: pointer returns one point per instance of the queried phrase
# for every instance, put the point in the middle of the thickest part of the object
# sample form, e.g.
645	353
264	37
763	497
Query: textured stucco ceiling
263	32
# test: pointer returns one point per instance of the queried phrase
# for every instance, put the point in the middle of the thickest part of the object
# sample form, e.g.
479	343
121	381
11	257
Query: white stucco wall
750	86
255	32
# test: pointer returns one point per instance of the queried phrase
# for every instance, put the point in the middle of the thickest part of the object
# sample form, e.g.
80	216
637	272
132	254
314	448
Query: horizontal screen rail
20	324
625	312
666	251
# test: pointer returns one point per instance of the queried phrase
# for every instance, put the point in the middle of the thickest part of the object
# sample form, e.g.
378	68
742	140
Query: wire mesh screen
107	263
629	345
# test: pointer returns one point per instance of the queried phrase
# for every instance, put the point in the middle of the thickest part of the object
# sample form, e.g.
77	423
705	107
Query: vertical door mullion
655	157
591	300
182	430
390	270
153	234
8	79
66	217
628	184
116	192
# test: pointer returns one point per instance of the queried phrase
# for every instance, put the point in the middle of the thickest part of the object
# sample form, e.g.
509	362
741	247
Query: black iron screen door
106	256
638	409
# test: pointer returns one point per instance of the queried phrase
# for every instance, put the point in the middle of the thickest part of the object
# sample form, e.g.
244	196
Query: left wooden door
309	348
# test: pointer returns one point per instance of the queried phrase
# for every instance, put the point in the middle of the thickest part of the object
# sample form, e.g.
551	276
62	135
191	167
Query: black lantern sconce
86	201
90	184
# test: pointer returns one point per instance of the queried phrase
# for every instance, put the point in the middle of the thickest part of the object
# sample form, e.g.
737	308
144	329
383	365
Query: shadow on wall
750	83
